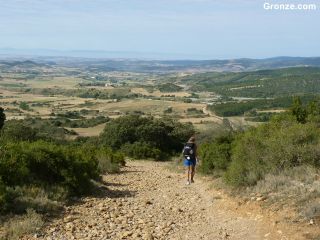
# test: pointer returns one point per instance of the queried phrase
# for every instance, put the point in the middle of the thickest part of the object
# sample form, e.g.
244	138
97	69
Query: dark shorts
190	162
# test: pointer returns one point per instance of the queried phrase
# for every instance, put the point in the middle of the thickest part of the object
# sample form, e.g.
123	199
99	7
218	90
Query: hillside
164	66
259	84
71	128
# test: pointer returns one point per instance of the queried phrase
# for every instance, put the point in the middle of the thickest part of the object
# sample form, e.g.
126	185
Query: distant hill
22	64
107	61
169	87
233	65
259	84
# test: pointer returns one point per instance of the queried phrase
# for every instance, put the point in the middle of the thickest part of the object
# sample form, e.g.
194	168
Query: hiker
190	158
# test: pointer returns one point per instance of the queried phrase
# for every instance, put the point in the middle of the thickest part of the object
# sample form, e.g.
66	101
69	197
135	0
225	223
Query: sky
185	29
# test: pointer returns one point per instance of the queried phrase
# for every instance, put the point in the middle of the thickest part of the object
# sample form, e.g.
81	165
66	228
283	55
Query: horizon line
162	56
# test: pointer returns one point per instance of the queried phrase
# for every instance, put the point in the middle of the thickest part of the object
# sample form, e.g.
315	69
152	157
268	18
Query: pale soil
148	106
157	93
89	132
149	201
196	120
272	111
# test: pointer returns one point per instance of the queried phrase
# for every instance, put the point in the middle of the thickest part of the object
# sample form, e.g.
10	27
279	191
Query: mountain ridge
152	65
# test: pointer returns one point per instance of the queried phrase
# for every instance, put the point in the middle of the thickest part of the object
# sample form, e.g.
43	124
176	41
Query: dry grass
89	132
16	227
298	188
157	93
51	82
272	111
155	107
241	123
201	120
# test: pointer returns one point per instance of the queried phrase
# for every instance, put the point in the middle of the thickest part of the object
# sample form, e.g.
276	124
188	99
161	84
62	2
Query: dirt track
148	201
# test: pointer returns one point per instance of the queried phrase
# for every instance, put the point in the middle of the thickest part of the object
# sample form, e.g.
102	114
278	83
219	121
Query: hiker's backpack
188	150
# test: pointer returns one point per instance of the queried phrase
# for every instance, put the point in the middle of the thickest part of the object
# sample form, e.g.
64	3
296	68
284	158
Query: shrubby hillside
235	108
289	140
169	87
36	160
277	162
259	84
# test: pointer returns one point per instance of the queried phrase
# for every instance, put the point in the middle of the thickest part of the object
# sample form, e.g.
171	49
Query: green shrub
298	110
271	148
141	150
3	196
169	87
109	161
289	141
17	131
24	106
45	163
216	155
32	129
146	133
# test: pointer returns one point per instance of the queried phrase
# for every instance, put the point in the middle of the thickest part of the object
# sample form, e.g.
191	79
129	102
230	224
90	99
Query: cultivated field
47	92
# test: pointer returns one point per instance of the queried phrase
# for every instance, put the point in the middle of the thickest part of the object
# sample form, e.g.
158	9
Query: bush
109	161
3	196
169	87
24	106
17	131
271	148
216	155
45	163
141	150
146	133
32	129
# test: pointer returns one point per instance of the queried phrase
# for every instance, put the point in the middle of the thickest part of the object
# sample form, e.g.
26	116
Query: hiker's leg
193	168
187	172
189	175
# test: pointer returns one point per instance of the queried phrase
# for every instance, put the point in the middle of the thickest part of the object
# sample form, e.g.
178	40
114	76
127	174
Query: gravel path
148	201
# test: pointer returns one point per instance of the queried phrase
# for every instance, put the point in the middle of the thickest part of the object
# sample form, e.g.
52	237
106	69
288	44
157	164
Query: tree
313	108
298	110
17	131
24	106
2	117
164	134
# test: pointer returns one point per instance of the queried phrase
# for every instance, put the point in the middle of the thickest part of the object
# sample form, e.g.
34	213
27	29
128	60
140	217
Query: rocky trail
149	201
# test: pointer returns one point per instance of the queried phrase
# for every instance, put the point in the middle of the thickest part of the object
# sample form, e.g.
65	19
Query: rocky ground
148	201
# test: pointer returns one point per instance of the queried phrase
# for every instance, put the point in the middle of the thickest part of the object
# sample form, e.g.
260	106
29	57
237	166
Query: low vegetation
82	92
32	129
146	137
259	84
236	108
79	123
39	170
169	87
290	139
280	157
